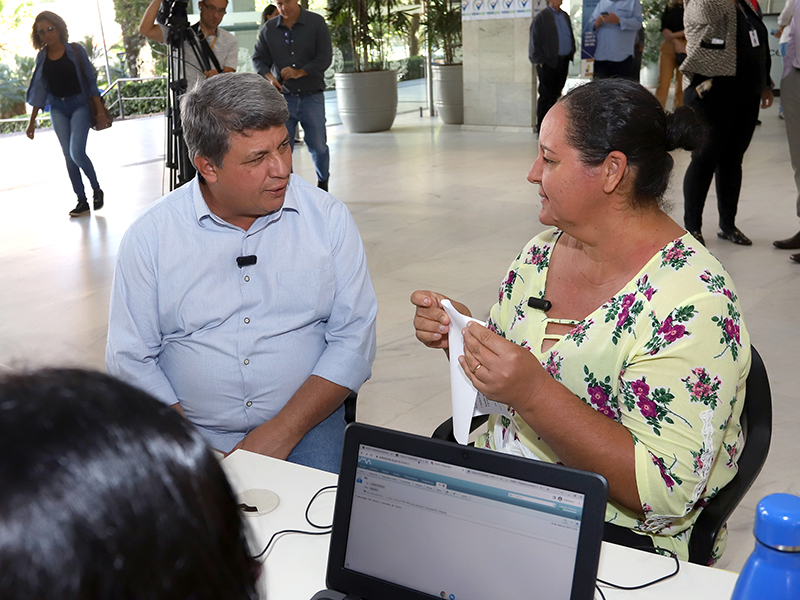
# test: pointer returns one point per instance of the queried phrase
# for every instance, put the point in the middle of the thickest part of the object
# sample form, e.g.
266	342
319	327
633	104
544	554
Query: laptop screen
409	512
417	518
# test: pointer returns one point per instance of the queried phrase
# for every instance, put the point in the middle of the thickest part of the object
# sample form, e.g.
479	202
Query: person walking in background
782	33
269	12
551	47
727	63
673	52
64	79
292	53
615	23
790	96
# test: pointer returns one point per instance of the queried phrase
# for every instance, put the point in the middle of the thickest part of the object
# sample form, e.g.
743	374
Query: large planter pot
649	75
367	101
448	92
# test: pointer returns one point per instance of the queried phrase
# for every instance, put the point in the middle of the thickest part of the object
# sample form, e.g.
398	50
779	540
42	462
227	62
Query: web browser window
417	523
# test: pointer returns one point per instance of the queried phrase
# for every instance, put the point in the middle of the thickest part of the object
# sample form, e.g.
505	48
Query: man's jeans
310	112
321	448
71	121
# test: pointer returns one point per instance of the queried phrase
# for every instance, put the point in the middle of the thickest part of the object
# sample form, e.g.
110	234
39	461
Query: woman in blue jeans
65	79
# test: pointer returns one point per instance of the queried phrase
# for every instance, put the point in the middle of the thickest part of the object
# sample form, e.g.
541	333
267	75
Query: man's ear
206	168
613	171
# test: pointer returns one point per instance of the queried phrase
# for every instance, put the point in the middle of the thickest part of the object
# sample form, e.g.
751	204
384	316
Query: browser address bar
531	499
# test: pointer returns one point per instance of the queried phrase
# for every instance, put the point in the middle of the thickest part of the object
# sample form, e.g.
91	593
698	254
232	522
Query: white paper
466	400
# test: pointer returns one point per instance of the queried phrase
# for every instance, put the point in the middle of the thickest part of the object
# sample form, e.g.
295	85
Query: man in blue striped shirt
243	298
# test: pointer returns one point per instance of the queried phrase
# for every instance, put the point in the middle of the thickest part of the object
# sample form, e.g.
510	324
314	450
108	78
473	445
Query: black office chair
757	426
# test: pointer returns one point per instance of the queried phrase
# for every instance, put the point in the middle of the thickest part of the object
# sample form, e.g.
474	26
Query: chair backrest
757	426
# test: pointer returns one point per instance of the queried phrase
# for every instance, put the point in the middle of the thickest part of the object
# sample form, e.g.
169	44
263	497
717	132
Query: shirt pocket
303	296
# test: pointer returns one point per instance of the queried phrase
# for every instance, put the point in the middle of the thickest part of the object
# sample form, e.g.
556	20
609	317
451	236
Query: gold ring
476	368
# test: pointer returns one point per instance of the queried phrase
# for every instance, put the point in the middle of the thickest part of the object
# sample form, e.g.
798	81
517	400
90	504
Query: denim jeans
310	112
71	120
321	448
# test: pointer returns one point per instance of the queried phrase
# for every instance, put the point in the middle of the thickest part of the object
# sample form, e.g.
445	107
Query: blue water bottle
773	569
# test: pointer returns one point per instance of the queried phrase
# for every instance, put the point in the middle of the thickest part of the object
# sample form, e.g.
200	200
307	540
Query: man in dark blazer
551	48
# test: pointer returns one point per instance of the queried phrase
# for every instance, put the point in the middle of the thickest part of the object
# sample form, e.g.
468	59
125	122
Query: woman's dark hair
106	493
609	115
268	13
58	23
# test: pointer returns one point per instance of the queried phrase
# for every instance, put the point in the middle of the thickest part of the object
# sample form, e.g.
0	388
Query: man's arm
148	26
230	61
324	50
262	59
634	22
314	402
134	337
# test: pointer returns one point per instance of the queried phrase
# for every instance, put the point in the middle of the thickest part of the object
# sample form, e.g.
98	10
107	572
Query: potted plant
367	97
443	31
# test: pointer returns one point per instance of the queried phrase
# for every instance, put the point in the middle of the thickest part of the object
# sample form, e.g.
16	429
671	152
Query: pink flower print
731	330
597	395
512	275
622	317
674	253
606	410
640	388
701	390
670	331
664	475
627	301
536	258
647	407
648	293
705	276
728	293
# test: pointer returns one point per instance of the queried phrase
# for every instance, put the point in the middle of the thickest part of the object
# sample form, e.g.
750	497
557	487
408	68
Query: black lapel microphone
246	261
540	303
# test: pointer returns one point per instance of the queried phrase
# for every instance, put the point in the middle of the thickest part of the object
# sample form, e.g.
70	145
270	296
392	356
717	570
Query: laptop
417	518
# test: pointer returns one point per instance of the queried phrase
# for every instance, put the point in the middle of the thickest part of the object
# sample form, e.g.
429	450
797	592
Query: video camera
173	14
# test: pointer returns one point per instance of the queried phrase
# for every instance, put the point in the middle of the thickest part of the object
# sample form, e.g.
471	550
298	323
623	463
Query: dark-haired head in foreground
107	493
617	114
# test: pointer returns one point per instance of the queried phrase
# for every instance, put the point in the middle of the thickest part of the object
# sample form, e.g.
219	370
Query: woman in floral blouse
637	371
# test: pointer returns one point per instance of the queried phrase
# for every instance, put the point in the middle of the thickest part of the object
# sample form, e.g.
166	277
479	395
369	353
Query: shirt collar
203	213
300	18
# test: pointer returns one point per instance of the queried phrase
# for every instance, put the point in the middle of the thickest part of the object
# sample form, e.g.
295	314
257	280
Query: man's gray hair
228	103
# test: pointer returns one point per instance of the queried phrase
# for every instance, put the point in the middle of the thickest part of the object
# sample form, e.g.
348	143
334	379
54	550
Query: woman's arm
581	437
32	122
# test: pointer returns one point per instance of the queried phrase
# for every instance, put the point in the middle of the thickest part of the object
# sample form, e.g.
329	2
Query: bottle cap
778	522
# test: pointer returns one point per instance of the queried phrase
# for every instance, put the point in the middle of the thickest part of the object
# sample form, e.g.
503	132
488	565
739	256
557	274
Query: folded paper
466	400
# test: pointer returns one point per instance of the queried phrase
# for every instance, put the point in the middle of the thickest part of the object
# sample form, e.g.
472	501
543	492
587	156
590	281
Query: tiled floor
439	207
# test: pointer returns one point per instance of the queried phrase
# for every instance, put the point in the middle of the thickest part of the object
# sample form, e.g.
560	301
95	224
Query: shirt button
247	361
247	278
249	403
247	320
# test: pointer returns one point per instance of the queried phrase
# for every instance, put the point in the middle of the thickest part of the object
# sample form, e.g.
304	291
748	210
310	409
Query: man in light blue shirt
243	298
615	24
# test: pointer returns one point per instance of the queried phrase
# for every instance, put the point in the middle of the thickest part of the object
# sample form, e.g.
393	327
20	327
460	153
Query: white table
294	568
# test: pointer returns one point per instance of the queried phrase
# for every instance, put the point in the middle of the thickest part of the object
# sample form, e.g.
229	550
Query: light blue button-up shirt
232	344
615	42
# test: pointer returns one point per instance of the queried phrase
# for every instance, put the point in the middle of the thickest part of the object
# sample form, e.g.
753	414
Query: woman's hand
499	369
766	98
31	128
430	321
102	120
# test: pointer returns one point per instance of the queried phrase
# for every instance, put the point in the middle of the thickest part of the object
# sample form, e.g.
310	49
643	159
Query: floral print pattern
664	357
676	255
